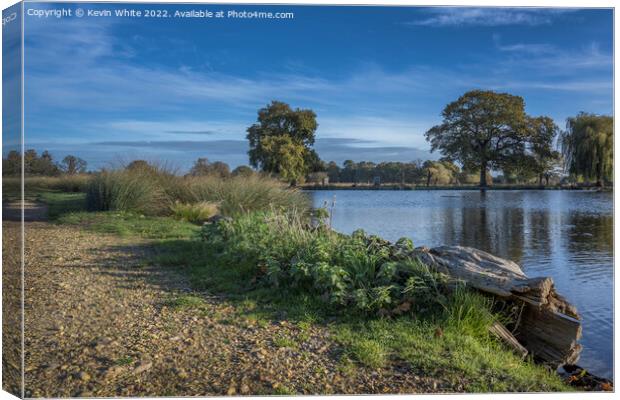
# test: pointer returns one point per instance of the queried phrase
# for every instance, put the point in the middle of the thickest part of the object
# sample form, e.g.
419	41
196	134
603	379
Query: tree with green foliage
72	165
44	165
243	170
281	141
12	164
588	146
543	132
284	157
139	165
203	167
439	172
481	130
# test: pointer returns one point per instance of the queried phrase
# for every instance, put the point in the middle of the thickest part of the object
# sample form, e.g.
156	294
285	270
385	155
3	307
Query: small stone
142	367
231	390
83	376
245	389
113	371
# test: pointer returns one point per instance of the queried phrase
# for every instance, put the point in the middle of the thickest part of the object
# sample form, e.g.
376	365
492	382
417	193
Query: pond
567	235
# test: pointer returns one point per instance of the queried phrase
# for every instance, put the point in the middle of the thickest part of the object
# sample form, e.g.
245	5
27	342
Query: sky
112	89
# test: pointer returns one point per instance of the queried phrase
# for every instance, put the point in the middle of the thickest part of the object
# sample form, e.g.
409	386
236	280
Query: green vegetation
128	224
41	165
196	213
60	203
281	141
588	146
484	129
441	349
382	307
186	301
151	190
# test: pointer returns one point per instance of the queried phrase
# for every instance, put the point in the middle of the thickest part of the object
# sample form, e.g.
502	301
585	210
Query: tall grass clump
156	190
196	213
127	190
244	194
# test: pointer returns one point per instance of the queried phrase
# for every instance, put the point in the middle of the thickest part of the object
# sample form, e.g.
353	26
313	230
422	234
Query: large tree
588	146
481	130
281	141
72	165
543	133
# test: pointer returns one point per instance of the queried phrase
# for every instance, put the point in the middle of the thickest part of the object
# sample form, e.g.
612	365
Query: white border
463	3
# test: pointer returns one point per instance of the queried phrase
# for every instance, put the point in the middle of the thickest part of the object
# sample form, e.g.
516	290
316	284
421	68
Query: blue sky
115	89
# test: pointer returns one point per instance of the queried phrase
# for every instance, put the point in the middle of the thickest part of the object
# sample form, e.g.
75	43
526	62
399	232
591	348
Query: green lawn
69	208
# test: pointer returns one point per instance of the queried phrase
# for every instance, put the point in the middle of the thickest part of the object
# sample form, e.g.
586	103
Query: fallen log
501	332
548	327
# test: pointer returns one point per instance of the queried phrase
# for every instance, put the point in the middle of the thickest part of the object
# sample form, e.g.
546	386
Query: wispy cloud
192	132
529	48
84	81
453	16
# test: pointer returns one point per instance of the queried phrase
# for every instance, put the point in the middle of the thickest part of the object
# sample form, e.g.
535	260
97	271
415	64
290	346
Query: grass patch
126	224
283	341
369	352
480	363
60	203
282	390
127	360
186	301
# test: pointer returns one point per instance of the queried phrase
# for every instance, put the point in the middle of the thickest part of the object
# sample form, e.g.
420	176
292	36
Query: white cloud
453	16
531	48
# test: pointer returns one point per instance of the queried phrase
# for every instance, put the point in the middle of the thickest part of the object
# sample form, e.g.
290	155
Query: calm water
567	235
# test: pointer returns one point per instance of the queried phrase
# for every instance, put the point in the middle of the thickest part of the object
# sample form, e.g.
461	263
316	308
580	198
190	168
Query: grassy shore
271	264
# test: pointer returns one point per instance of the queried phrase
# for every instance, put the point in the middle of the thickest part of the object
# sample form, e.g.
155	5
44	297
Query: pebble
83	376
143	367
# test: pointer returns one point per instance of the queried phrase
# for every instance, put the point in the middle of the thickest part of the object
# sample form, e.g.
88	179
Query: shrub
196	213
357	272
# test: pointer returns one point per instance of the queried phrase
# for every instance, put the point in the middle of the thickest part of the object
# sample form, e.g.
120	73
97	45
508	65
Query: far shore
350	186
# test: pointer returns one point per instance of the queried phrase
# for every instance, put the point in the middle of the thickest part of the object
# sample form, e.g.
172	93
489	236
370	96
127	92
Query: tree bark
483	174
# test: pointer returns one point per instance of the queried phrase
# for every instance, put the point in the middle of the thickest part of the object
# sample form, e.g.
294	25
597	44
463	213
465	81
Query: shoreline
417	188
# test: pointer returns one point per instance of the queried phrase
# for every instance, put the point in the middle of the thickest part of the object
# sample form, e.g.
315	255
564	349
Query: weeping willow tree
588	146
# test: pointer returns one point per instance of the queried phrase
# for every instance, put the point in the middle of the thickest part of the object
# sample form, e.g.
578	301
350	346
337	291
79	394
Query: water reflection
566	235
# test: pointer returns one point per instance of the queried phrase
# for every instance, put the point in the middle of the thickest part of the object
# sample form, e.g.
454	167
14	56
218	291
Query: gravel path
99	323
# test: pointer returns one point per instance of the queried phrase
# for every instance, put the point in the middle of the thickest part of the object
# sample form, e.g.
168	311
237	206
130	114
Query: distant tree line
429	173
43	165
481	131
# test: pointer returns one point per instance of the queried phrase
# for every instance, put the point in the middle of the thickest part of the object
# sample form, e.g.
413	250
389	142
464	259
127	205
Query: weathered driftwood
508	338
548	327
